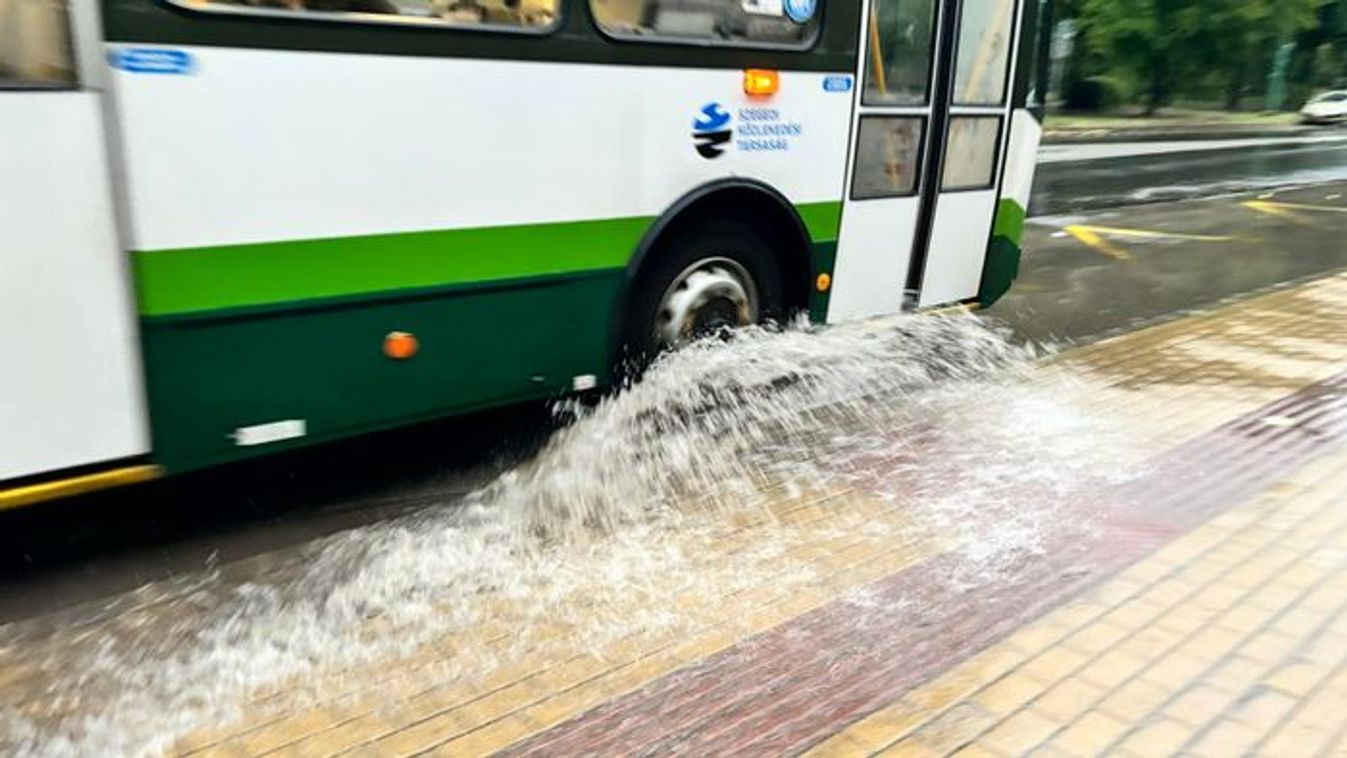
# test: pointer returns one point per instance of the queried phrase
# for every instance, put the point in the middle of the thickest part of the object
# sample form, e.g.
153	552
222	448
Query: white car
1330	107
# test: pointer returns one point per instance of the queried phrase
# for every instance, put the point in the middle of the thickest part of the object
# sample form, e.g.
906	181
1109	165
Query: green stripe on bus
232	276
822	220
1009	221
204	279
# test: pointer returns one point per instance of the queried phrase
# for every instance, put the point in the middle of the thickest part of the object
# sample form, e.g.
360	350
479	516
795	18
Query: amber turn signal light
401	345
761	81
823	282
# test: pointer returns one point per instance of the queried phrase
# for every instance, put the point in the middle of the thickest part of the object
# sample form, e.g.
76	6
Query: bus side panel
322	374
70	392
290	208
1004	251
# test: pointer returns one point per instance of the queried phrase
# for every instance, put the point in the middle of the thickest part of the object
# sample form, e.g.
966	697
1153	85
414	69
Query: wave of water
606	532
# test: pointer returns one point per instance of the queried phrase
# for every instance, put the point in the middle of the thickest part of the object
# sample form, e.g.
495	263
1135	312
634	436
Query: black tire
692	242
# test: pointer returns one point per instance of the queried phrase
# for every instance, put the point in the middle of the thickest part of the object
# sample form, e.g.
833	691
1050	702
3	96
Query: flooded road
1076	178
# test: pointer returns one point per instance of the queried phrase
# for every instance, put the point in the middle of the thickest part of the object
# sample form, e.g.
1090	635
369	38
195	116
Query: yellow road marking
1152	234
1291	211
1087	236
35	493
1297	206
1095	237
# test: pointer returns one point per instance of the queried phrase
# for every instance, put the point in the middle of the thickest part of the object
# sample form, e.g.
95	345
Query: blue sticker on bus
801	11
149	60
837	83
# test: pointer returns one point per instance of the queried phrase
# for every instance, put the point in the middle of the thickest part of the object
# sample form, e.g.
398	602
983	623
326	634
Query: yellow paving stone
1199	705
1089	735
1149	643
1173	670
910	748
360	731
1053	664
1068	699
488	739
1157	738
976	750
1111	669
1009	694
1295	679
286	731
1097	637
1135	700
839	746
1235	674
1211	642
1263	709
884	727
1020	733
1244	618
1227	738
955	728
228	749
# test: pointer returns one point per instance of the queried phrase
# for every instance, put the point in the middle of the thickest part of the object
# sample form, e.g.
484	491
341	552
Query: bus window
888	153
971	158
520	14
35	44
984	52
730	22
900	44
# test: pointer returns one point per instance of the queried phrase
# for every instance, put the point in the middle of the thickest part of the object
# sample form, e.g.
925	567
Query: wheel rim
709	295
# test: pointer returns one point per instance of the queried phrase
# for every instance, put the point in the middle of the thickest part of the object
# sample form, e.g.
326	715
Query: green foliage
1212	50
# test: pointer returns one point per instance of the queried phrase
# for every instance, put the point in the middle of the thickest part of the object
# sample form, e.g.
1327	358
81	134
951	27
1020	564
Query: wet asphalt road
1075	178
87	549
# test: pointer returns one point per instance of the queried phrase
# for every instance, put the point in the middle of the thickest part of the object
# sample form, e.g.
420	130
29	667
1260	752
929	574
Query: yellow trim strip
18	497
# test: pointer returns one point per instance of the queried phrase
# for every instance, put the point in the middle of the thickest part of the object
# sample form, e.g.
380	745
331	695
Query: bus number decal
837	83
149	60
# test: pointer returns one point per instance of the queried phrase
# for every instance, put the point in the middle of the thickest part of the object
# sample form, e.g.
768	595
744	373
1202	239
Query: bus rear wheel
707	278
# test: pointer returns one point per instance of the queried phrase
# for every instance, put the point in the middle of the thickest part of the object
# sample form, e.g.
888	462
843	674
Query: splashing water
624	515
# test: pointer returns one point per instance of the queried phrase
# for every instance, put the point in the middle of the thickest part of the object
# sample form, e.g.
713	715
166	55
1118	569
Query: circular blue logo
801	11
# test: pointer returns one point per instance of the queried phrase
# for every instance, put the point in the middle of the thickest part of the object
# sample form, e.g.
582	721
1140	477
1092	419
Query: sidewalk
1191	598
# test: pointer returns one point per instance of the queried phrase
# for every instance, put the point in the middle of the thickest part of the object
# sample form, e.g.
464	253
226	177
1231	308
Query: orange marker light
401	345
761	81
823	282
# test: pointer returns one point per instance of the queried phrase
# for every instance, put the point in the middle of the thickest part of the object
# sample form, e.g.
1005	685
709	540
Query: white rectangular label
765	7
276	431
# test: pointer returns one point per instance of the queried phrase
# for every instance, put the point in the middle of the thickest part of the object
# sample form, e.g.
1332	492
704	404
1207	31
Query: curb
1178	134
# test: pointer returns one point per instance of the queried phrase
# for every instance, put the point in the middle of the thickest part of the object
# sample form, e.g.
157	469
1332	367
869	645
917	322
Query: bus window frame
76	82
932	56
920	168
1016	8
697	42
998	158
345	18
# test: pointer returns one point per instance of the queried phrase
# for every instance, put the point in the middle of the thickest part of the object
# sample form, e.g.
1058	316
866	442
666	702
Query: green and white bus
229	227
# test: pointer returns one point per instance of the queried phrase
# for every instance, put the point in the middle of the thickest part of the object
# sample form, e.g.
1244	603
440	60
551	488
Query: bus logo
145	60
711	130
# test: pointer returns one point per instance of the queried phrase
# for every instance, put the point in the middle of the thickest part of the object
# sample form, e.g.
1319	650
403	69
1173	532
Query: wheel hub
708	296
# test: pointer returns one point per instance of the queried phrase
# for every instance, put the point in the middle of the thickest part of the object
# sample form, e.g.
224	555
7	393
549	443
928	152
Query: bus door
927	134
978	111
70	391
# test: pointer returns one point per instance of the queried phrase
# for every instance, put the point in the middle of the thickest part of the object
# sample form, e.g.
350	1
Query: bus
233	227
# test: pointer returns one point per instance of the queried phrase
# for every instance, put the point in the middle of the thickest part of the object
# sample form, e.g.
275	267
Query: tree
1163	44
